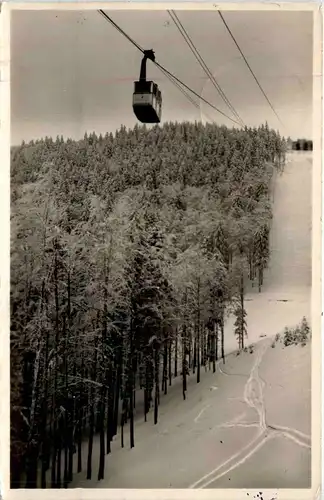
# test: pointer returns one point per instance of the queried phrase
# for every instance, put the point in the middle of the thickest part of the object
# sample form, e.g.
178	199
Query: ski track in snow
200	413
254	398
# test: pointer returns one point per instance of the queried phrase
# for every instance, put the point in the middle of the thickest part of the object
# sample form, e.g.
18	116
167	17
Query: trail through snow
254	398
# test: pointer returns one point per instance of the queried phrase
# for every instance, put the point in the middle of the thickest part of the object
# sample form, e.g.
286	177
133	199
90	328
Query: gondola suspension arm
148	54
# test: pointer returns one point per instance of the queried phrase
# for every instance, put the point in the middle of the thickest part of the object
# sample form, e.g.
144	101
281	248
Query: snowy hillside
235	423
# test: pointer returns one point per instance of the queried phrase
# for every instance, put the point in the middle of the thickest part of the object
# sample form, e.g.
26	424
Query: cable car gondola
147	98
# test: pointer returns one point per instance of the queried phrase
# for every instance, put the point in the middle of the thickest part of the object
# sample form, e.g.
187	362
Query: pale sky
72	72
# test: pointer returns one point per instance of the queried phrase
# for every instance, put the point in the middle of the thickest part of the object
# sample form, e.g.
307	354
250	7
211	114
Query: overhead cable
202	63
249	67
164	70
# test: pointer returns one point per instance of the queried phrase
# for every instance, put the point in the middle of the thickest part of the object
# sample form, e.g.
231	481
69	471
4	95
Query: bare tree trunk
59	456
198	353
242	309
102	405
91	406
176	355
32	447
165	367
123	418
71	441
131	386
157	368
251	264
145	404
117	394
113	398
55	480
45	441
189	346
103	378
222	337
184	362
80	413
170	362
66	430
146	387
91	434
214	346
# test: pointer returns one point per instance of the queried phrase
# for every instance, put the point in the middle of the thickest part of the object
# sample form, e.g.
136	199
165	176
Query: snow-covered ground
248	425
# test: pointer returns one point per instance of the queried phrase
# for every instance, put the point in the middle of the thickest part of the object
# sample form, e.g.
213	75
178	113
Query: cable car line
249	67
164	70
142	50
120	30
196	94
185	93
202	63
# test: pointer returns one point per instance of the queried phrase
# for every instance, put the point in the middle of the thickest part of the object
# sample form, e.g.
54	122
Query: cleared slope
286	293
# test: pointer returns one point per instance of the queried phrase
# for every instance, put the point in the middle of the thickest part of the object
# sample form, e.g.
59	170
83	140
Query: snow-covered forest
127	251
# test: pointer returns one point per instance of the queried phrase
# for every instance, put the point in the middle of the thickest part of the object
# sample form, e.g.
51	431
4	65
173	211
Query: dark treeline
127	252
